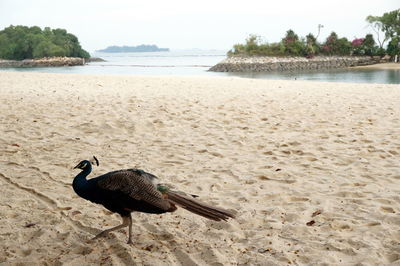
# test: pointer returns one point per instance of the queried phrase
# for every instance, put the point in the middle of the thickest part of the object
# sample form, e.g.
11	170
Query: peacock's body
130	190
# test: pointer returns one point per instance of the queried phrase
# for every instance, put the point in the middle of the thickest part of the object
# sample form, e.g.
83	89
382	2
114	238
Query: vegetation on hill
133	49
293	45
21	42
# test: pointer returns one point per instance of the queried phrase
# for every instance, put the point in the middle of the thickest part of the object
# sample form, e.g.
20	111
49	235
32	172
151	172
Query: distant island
133	49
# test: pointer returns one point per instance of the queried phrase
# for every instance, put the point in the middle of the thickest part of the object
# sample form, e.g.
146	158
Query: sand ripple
312	169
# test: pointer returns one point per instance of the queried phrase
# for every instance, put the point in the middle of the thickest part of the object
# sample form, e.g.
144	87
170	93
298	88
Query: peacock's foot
102	234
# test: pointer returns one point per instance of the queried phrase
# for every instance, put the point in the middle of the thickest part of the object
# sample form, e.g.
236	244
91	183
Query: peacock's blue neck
80	181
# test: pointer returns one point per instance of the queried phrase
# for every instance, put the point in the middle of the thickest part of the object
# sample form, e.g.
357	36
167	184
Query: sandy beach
382	66
311	169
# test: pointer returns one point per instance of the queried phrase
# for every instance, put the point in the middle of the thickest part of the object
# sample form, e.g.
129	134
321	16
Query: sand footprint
387	209
298	199
184	258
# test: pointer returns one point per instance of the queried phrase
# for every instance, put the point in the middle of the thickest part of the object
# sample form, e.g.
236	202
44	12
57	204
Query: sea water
197	63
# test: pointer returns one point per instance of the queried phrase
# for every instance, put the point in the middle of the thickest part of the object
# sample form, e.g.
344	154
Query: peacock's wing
136	184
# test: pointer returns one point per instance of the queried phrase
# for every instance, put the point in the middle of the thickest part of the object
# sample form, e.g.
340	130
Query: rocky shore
267	64
94	59
44	62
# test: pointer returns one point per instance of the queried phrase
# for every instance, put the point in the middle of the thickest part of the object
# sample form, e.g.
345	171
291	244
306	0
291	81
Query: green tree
312	45
335	46
294	46
329	46
369	45
6	47
20	42
388	23
393	47
251	47
42	49
343	47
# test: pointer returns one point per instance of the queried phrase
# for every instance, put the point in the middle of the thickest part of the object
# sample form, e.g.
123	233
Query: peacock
134	190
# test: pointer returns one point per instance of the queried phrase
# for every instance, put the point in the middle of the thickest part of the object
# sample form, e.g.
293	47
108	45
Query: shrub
365	46
358	46
254	47
335	46
369	44
251	47
292	45
393	47
273	49
343	47
312	46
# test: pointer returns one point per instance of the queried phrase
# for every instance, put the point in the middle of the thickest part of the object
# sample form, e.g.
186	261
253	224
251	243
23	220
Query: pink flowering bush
364	46
357	42
358	46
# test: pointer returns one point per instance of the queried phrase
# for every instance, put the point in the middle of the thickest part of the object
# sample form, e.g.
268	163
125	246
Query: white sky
185	24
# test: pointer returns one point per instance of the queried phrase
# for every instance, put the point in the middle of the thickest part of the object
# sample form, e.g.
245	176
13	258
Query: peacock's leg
126	221
130	229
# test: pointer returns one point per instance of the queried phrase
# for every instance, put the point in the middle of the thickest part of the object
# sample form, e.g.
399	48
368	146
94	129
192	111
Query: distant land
133	49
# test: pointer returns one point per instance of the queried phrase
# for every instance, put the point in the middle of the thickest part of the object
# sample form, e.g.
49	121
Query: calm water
197	62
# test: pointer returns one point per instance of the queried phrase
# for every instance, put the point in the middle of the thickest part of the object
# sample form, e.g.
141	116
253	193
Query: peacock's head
87	163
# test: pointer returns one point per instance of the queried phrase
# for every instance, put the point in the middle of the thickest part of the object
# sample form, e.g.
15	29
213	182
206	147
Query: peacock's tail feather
198	207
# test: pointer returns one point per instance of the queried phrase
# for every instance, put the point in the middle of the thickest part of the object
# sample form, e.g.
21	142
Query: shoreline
43	62
49	62
382	66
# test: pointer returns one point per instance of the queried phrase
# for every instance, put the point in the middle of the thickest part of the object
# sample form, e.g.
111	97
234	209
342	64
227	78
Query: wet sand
383	66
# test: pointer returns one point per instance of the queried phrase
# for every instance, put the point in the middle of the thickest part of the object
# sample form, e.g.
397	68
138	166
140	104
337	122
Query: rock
44	62
385	59
266	64
94	59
